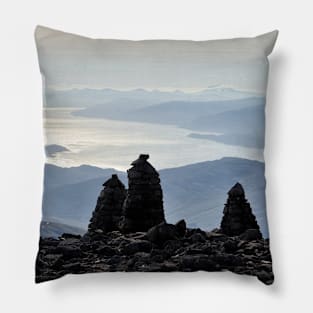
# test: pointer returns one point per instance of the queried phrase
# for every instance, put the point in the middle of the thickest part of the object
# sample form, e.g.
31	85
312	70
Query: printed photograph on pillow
154	155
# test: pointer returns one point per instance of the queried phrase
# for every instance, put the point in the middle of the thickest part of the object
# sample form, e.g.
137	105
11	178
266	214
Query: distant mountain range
237	116
52	150
236	121
196	192
90	97
241	127
54	229
240	122
181	113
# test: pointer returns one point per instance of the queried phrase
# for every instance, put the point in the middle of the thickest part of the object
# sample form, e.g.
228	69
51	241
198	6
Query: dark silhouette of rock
238	216
163	232
166	252
143	207
144	241
181	228
251	234
108	211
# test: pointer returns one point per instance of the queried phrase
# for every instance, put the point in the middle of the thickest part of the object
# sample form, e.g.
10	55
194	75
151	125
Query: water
114	144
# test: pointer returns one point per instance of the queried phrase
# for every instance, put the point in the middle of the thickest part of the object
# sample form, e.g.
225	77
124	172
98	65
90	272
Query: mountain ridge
196	192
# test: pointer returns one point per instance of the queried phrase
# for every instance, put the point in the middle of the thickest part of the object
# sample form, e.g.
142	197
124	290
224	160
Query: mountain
252	140
240	127
87	97
70	193
240	120
55	229
55	176
178	112
196	192
52	150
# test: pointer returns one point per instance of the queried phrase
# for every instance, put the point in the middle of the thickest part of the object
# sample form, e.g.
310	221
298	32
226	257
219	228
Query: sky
70	61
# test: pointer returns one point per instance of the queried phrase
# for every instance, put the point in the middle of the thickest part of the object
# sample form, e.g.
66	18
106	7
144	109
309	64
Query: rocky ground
164	248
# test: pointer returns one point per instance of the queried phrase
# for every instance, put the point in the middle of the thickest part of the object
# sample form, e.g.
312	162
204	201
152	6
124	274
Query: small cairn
108	211
143	207
238	216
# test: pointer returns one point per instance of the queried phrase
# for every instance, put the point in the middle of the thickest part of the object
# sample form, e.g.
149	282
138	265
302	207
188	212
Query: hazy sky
70	61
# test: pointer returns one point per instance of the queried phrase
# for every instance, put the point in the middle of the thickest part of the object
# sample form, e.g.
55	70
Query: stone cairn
238	216
108	211
143	207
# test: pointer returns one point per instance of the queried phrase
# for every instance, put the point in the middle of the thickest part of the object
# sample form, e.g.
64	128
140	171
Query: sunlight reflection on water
114	144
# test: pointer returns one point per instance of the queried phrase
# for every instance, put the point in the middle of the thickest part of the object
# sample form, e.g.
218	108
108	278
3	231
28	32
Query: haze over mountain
59	176
180	113
87	97
55	229
196	192
52	150
241	127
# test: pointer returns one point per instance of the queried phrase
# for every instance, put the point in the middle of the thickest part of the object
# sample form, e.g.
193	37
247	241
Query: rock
106	250
143	207
134	236
161	233
230	246
72	267
69	252
137	246
227	260
54	260
251	234
238	216
168	266
66	236
115	259
197	237
198	262
171	246
181	228
108	211
266	277
216	236
115	251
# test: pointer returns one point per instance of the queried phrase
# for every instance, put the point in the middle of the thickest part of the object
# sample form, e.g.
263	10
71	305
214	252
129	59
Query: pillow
154	155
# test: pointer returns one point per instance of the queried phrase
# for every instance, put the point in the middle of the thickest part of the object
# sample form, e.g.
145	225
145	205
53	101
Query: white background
288	155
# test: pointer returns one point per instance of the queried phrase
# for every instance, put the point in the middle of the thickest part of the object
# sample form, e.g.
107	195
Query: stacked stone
108	211
238	216
143	207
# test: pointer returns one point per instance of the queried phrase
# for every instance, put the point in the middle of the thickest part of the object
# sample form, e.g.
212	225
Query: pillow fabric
154	155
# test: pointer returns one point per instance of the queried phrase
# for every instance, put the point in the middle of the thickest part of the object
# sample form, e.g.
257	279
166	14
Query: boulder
251	234
161	233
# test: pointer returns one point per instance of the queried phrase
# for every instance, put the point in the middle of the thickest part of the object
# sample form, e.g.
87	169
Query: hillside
196	192
179	112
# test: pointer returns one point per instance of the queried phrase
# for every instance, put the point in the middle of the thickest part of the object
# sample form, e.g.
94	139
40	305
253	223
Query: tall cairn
108	211
143	207
238	216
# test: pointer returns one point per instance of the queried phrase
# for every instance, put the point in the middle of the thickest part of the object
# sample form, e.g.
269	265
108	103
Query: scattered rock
230	246
197	262
167	252
137	246
251	234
